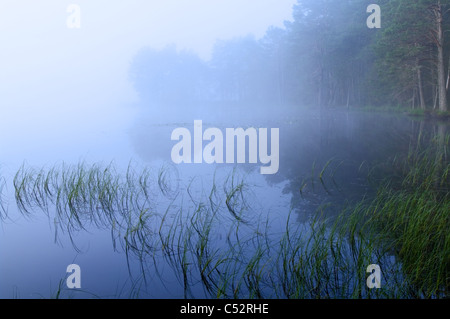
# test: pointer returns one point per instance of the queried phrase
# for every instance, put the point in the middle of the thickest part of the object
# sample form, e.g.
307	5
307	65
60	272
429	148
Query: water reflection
226	230
3	204
324	156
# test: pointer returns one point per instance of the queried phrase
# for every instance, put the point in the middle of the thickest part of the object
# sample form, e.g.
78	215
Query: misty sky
52	77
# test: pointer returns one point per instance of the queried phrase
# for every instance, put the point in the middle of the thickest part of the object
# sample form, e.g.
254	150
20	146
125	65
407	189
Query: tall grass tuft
218	247
3	204
413	216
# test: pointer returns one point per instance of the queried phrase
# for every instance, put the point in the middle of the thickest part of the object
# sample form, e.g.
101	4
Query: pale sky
51	75
36	42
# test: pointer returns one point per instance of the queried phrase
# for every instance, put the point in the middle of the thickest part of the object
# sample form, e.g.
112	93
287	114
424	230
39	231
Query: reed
217	247
3	204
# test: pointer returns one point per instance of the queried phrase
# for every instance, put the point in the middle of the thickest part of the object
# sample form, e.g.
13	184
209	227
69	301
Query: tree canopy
327	56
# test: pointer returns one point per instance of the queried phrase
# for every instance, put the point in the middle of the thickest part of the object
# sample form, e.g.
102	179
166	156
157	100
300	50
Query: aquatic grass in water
416	226
83	195
415	218
411	215
3	204
218	247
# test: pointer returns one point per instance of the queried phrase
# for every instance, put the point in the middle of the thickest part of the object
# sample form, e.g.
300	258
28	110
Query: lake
109	198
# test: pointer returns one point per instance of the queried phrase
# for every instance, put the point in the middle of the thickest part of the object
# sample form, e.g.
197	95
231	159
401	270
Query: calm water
35	250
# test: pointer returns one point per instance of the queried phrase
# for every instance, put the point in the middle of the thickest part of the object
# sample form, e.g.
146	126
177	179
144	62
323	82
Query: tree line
325	57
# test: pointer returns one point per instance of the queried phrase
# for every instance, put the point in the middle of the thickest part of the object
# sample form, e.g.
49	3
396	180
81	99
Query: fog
55	79
61	86
217	121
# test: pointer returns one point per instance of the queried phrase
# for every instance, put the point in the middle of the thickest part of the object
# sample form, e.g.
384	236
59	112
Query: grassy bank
431	114
412	215
419	113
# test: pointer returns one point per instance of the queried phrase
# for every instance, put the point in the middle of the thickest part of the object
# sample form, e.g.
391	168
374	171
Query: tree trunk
420	87
448	75
440	59
435	97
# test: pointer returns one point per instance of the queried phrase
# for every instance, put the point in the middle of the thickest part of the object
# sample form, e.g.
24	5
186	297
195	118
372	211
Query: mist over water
100	102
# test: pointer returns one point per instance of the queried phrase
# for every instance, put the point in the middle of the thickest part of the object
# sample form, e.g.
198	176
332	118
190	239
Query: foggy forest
220	149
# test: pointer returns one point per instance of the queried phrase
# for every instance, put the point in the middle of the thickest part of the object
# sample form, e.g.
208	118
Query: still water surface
35	250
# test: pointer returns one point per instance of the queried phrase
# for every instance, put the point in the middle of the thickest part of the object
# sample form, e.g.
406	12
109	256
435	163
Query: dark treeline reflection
325	156
217	243
340	157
